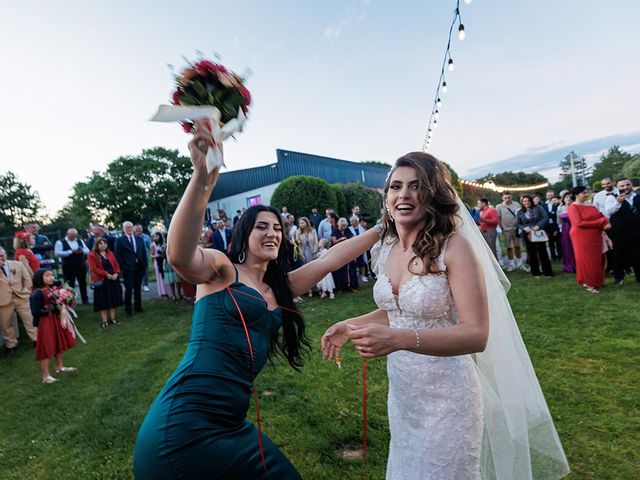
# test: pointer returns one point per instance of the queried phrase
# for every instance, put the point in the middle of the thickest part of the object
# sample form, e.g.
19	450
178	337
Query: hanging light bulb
451	65
467	2
438	102
436	114
461	32
444	87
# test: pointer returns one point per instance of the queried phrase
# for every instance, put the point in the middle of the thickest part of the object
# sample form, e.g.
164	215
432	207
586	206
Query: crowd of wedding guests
309	238
591	234
103	262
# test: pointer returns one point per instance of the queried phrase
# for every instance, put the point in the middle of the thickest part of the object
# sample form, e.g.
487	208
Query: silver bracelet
415	330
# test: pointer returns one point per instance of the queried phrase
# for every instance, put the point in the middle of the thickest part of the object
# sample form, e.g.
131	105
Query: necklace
416	260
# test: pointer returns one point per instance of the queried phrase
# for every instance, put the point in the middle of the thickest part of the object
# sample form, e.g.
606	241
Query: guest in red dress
587	225
22	243
105	274
52	338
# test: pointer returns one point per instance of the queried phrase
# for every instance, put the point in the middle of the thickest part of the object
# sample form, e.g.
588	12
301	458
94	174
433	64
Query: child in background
53	339
325	285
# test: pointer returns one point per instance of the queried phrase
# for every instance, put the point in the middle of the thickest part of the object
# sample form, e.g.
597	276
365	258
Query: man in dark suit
624	214
553	232
221	237
131	255
237	217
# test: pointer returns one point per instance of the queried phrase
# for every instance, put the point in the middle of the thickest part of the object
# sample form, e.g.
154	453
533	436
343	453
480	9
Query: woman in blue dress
197	428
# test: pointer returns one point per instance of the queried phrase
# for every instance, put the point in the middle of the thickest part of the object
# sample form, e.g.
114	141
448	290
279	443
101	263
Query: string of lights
498	188
447	63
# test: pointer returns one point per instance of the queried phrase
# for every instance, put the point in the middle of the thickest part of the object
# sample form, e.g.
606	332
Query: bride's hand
373	339
333	340
202	140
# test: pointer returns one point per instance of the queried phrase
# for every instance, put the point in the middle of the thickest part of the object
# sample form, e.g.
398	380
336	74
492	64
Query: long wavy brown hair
438	197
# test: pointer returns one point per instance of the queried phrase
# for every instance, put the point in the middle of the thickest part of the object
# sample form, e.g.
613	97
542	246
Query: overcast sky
348	79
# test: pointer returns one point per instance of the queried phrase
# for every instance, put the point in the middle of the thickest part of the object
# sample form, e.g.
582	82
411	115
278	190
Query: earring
389	214
242	257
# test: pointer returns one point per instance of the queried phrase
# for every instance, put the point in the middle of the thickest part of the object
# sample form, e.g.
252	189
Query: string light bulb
446	66
461	32
467	2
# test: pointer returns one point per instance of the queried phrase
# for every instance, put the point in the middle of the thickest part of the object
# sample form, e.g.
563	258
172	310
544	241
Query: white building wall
242	200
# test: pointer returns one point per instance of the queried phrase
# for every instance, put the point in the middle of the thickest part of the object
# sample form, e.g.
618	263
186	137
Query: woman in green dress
196	428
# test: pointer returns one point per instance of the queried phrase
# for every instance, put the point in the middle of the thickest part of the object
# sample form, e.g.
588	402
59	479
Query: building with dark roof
253	186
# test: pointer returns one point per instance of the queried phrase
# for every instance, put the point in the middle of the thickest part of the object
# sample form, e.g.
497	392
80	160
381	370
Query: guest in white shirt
600	198
325	227
73	252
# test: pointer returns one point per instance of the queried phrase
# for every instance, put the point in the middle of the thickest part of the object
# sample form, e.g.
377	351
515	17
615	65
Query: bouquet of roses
65	302
207	90
64	295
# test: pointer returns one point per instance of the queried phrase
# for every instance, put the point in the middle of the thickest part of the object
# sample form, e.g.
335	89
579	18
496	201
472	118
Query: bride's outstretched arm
305	277
192	263
336	335
470	297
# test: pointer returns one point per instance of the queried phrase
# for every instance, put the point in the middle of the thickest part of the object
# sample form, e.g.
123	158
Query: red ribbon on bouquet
364	419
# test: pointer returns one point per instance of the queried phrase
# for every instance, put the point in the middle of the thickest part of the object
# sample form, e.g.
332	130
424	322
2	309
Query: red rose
187	127
247	96
176	97
205	66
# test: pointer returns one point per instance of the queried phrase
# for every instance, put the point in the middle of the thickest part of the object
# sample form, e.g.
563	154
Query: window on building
256	200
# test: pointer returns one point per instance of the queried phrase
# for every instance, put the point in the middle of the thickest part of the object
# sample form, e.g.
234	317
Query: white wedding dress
435	403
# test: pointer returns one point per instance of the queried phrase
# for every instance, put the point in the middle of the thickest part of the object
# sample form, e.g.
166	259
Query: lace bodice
423	301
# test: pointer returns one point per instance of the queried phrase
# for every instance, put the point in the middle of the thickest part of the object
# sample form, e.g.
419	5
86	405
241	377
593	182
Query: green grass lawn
585	349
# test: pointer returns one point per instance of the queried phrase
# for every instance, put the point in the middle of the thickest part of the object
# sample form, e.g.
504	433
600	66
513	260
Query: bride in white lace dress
433	313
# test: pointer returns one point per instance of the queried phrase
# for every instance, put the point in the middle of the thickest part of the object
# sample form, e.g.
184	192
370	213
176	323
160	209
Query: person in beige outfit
15	289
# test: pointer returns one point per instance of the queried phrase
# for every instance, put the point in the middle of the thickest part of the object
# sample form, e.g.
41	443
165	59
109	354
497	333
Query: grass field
585	349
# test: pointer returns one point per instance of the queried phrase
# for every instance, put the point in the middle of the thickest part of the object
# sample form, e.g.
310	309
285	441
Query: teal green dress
196	428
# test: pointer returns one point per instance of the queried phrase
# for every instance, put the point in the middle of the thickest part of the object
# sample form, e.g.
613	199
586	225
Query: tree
612	164
136	188
580	168
455	179
375	162
18	203
503	179
368	199
301	193
631	169
341	207
515	178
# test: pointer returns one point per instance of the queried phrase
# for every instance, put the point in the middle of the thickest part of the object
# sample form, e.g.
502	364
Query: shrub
301	193
341	208
369	200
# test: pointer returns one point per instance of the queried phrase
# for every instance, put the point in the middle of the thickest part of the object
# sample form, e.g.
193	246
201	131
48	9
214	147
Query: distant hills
545	159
